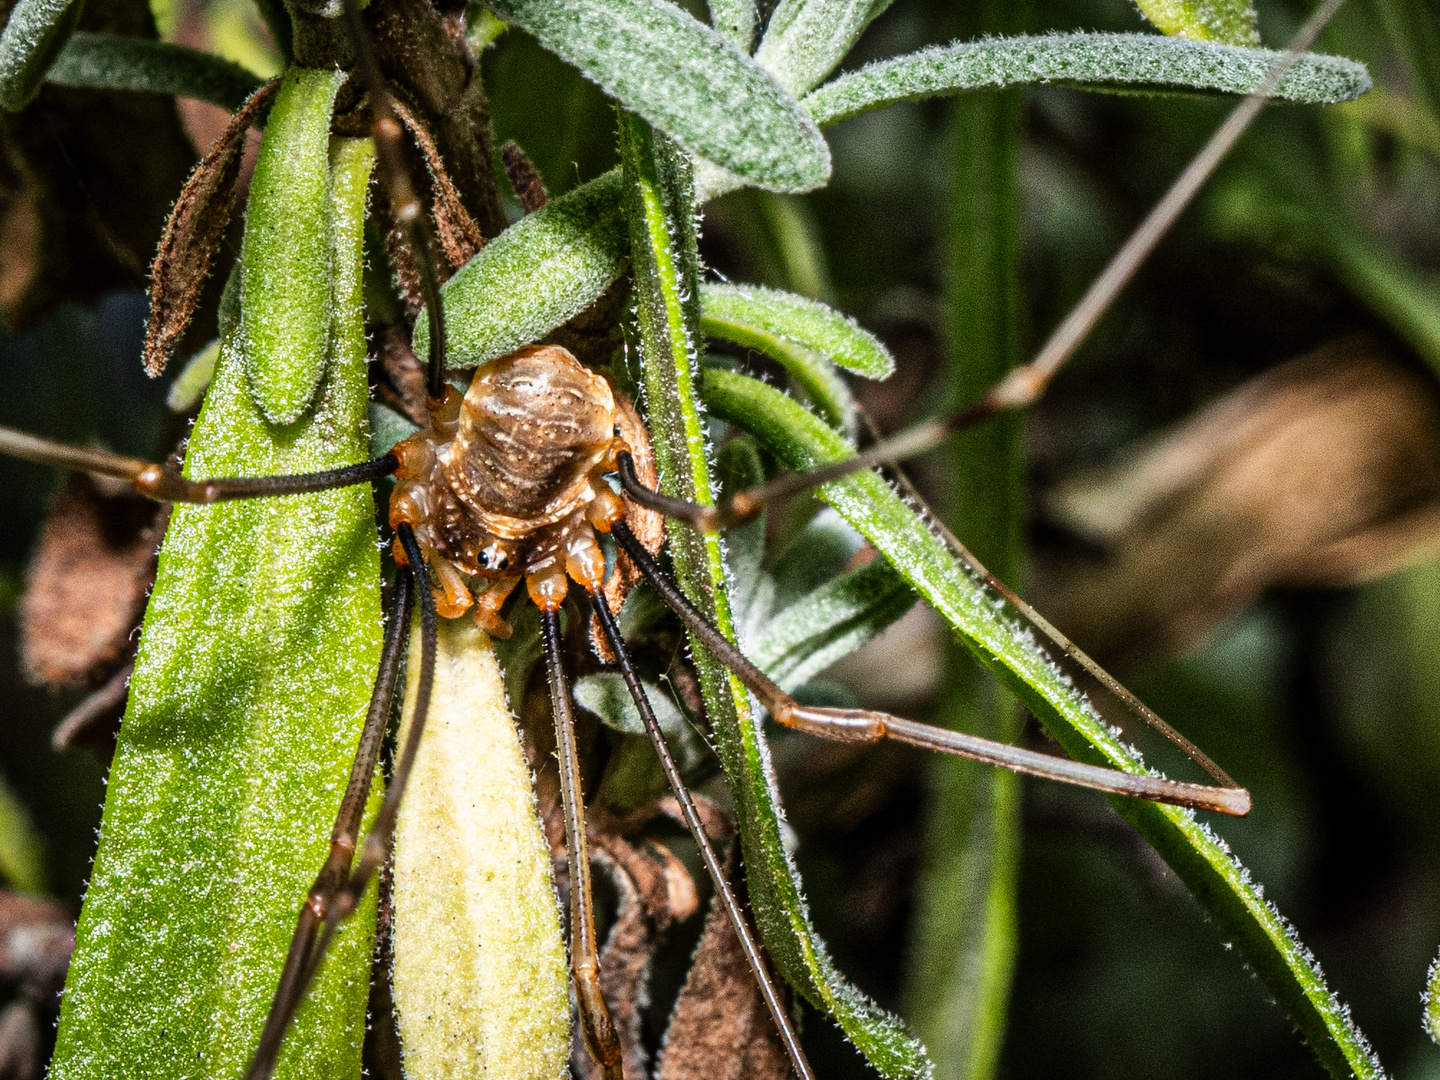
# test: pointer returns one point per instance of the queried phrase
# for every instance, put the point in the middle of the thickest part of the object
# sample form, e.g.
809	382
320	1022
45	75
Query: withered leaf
86	589
95	722
524	178
406	374
460	238
1323	471
193	234
19	1042
721	1029
36	939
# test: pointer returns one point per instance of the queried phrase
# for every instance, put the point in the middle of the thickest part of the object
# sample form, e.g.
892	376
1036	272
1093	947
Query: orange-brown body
507	482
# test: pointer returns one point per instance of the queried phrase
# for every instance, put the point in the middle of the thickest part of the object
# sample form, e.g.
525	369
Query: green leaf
22	851
1133	62
660	205
34	35
1231	22
830	623
256	660
190	385
286	289
687	80
1431	1002
965	930
804	336
1000	639
806	39
388	427
112	62
735	20
547	267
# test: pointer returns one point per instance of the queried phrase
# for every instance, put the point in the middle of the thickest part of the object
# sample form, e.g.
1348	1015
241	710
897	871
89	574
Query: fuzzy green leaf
1133	62
112	62
805	39
541	271
804	336
999	638
256	661
1231	22
735	19
1430	1002
33	37
286	287
687	80
660	206
830	623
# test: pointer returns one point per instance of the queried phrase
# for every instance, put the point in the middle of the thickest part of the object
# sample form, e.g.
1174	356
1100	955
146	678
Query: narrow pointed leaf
1229	21
806	39
34	35
660	205
1001	641
113	62
687	80
803	336
256	661
285	293
830	623
541	271
481	983
1133	62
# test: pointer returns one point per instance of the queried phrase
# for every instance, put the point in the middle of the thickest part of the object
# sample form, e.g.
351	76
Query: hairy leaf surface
686	79
114	62
256	661
1135	62
541	271
1003	643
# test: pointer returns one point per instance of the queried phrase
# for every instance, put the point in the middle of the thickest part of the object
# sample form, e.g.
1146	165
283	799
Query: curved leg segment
861	725
342	880
595	1023
713	867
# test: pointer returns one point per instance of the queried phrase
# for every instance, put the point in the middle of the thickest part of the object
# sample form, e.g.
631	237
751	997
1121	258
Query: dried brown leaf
87	586
193	234
647	525
720	1029
460	238
19	1042
406	374
36	939
95	722
1323	471
525	179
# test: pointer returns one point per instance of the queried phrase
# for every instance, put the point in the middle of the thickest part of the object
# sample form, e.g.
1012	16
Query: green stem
964	938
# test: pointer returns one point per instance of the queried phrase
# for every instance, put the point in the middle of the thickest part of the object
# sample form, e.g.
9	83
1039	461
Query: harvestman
507	483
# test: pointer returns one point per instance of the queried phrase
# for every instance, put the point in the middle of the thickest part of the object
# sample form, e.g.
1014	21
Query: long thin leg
713	866
165	484
338	889
595	1022
1024	385
863	725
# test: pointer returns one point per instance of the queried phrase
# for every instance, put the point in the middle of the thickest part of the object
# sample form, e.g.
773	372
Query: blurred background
1231	497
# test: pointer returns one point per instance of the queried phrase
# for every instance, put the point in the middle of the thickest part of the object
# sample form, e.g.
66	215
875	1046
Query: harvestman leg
338	888
863	725
737	919
595	1023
